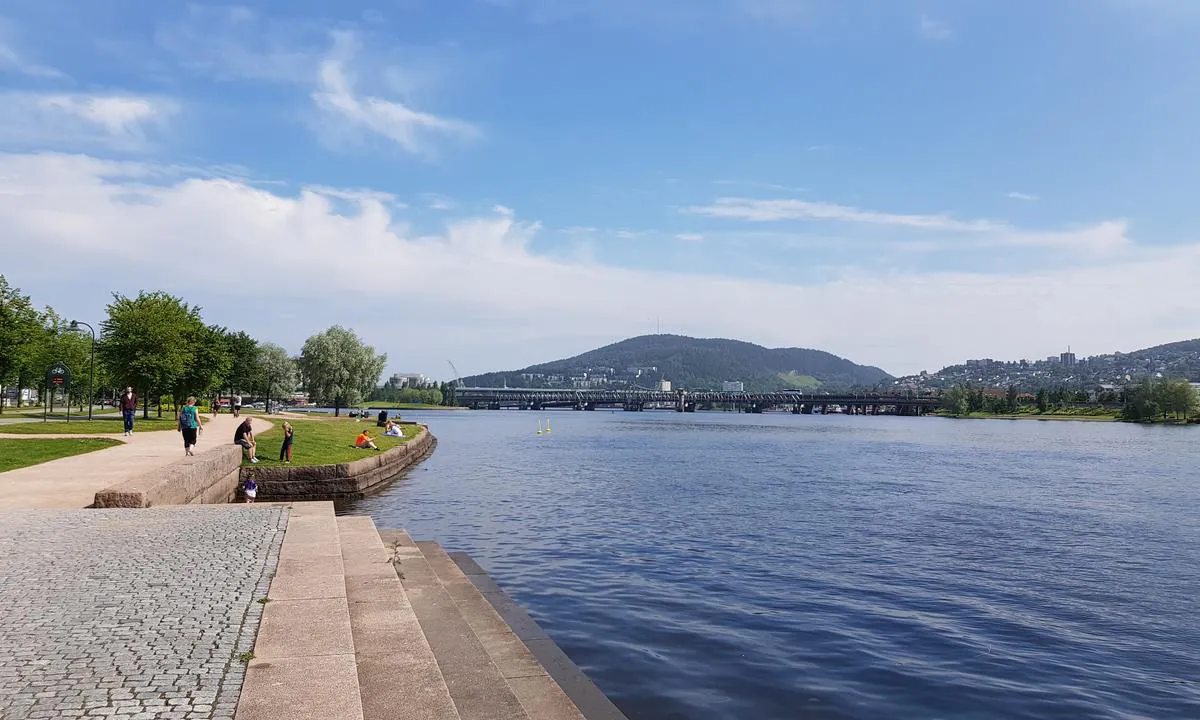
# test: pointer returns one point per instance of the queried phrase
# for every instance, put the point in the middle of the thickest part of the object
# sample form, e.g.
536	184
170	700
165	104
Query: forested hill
691	363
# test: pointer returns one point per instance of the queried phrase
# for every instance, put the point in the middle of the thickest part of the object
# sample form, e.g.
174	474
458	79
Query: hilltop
1172	360
692	363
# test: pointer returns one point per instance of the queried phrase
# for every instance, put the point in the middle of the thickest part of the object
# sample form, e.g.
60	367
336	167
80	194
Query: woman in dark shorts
189	425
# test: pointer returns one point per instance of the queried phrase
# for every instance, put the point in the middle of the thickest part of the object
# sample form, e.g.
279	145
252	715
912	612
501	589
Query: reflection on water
780	566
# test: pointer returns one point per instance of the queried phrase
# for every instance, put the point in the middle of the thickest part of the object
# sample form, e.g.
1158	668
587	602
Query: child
251	489
285	451
393	430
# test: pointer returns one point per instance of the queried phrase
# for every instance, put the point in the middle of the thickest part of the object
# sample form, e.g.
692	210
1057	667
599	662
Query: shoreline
1080	418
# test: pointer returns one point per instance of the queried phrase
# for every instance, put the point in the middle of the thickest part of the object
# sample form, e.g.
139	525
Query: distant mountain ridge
692	363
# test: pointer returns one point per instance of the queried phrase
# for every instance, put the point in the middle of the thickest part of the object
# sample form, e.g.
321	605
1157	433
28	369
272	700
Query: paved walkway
72	482
131	613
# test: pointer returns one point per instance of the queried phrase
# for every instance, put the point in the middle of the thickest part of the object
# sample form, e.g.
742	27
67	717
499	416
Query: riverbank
1085	417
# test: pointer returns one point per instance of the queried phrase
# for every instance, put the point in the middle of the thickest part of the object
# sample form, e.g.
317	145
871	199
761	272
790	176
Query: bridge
685	401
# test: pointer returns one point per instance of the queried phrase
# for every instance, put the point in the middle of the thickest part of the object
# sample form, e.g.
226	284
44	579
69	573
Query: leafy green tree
208	367
278	370
338	368
20	331
148	342
245	372
1010	399
957	400
1043	400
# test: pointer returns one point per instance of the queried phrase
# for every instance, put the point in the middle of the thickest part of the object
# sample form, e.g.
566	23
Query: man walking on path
128	408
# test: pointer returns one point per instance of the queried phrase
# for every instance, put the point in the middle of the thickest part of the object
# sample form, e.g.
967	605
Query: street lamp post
91	363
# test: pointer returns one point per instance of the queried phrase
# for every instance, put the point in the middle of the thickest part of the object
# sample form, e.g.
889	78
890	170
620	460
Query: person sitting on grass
364	442
393	430
244	436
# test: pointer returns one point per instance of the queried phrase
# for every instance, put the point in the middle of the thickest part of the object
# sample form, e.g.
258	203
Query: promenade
72	482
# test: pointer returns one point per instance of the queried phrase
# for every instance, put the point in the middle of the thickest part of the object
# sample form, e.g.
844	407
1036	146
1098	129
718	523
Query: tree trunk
146	408
158	404
337	408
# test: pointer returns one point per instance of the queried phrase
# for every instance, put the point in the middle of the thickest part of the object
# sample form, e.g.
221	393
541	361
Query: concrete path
73	482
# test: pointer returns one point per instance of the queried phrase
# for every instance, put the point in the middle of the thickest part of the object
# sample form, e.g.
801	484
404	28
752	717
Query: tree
338	368
957	400
208	366
1043	400
1010	399
245	371
278	370
19	327
148	341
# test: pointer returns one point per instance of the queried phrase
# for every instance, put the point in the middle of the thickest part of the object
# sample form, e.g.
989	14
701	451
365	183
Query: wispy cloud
11	61
761	185
350	115
118	121
235	43
434	201
1023	196
690	237
932	28
754	210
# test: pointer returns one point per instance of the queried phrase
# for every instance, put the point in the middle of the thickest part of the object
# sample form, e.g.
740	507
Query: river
713	565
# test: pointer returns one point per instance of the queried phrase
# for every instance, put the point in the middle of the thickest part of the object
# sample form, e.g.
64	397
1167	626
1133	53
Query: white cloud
434	201
756	210
478	294
689	237
347	115
234	43
11	61
1023	196
122	122
933	29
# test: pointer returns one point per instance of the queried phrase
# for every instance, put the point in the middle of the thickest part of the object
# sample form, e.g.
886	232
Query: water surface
714	565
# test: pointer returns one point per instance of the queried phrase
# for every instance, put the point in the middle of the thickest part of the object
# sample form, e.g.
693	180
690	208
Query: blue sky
905	183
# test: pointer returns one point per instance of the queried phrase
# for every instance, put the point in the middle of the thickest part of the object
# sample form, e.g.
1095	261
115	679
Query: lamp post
91	363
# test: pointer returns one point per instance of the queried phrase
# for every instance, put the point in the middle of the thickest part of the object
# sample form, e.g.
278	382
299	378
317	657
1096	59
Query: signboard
58	377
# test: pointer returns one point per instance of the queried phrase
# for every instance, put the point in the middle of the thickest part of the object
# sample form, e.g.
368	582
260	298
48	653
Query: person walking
128	408
189	425
285	450
237	405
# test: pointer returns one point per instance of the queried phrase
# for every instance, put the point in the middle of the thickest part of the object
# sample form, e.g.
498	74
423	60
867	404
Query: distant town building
1067	358
665	386
733	386
1055	359
409	380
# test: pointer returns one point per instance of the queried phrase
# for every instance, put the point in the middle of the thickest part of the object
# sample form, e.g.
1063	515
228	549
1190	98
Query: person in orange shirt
364	442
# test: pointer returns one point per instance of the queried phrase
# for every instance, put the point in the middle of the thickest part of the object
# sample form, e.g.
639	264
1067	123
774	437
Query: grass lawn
323	442
83	426
16	453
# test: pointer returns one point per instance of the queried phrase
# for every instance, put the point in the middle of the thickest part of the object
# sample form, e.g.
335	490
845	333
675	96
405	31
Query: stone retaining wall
344	480
208	478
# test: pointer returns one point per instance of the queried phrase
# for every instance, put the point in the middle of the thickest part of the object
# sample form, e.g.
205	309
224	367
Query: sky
496	183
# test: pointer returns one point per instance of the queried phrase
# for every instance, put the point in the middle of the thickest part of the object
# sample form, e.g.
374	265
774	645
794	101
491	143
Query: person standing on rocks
128	408
189	425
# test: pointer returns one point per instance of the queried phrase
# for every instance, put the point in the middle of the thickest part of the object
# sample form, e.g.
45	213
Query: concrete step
588	699
477	686
538	692
303	663
398	674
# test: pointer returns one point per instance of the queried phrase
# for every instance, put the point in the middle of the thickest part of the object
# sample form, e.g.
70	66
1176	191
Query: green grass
99	425
799	382
327	441
18	453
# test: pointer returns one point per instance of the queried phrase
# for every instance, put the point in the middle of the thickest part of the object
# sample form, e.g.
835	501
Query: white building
733	386
410	380
664	386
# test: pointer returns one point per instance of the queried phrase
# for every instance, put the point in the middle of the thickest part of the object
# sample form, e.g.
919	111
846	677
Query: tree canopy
338	368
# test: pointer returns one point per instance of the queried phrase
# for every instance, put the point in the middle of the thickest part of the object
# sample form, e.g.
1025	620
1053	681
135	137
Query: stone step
477	686
303	664
538	692
398	674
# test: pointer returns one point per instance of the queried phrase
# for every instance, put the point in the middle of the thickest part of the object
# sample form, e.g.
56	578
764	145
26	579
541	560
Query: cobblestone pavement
131	613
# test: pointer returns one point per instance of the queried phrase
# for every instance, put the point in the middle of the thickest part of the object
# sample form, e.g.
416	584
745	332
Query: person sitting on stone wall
244	436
